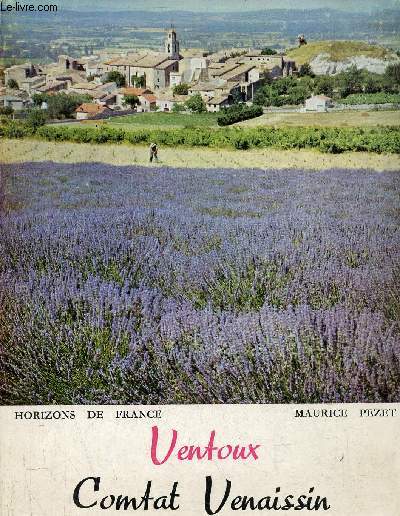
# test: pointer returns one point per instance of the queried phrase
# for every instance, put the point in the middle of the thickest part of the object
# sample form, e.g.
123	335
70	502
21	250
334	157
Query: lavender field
161	285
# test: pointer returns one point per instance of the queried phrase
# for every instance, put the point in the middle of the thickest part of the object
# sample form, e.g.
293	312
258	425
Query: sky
228	5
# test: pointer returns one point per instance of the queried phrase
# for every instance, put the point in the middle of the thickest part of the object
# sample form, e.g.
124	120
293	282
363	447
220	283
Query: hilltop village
113	83
157	80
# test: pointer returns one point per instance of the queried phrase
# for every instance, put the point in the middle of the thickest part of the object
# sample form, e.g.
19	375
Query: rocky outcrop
322	65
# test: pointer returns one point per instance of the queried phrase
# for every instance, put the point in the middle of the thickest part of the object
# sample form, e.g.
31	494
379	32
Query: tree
7	111
283	85
298	94
181	89
388	85
305	69
372	85
275	100
324	86
259	98
36	118
116	77
12	84
178	108
39	98
237	97
139	81
63	105
131	100
268	52
351	81
237	53
392	73
196	104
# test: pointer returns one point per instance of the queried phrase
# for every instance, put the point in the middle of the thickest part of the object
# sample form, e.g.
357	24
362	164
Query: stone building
32	84
248	75
193	67
220	92
175	78
166	101
318	103
22	73
151	69
54	86
70	63
215	104
92	111
172	45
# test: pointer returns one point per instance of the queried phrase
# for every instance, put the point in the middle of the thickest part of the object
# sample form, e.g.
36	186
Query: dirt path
33	150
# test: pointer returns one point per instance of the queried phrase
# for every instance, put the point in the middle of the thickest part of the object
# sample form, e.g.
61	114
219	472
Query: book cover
199	257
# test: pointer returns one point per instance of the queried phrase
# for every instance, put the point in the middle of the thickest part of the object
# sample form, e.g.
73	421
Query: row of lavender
136	285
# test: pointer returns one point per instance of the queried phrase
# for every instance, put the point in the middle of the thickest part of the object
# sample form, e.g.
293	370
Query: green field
165	120
176	120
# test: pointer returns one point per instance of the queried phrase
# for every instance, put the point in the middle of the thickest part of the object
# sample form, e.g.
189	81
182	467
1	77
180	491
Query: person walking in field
153	152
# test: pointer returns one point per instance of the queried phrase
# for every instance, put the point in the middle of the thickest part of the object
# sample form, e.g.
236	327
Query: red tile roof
134	91
150	97
91	108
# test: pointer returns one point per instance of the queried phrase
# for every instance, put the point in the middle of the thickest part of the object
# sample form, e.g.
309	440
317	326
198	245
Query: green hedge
16	129
372	98
237	113
325	139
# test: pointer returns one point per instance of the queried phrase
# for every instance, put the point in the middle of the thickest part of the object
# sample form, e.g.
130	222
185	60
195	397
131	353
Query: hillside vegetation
337	51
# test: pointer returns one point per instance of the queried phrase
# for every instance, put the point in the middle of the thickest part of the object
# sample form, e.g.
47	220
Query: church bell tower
172	44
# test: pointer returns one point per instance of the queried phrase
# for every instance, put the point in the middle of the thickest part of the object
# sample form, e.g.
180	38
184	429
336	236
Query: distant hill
335	56
337	51
36	35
